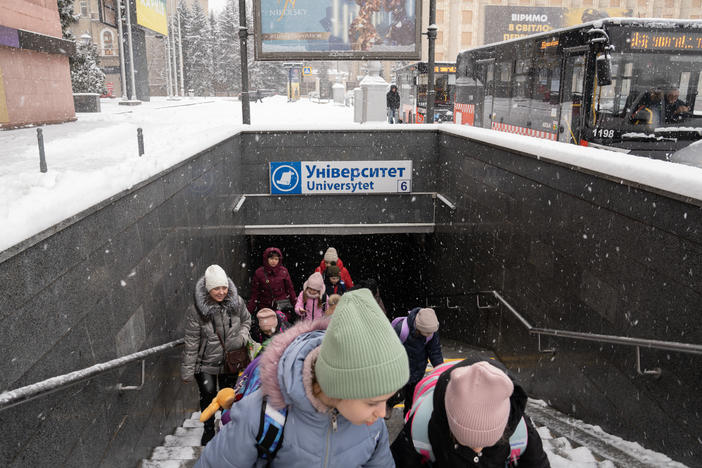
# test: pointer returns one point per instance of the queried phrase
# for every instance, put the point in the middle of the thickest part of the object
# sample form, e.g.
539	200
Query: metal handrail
620	340
21	395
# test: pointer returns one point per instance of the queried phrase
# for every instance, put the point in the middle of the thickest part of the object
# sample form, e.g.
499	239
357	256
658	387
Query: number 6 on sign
404	186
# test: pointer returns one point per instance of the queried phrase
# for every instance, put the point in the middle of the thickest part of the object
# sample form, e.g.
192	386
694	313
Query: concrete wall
575	251
113	280
569	250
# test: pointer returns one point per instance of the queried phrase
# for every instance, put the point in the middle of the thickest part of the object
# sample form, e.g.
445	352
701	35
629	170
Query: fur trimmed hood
206	306
283	361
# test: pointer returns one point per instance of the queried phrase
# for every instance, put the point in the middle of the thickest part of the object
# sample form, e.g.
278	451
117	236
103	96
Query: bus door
572	85
484	98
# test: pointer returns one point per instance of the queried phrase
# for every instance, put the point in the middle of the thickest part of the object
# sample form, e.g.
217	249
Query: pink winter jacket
312	308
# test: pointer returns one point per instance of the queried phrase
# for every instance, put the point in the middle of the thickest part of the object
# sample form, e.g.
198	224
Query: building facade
35	77
468	23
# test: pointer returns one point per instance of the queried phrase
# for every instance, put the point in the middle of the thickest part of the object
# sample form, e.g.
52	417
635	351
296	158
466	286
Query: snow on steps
180	450
568	442
580	445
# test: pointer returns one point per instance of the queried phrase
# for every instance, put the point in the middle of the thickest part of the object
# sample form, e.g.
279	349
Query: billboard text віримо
512	22
337	29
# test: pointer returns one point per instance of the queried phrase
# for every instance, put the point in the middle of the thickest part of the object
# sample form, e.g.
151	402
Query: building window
84	8
467	17
466	39
108	43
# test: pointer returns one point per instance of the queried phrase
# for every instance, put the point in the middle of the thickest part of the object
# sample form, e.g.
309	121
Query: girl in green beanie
334	377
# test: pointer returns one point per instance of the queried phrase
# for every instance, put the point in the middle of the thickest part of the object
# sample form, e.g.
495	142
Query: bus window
544	102
484	107
572	98
501	104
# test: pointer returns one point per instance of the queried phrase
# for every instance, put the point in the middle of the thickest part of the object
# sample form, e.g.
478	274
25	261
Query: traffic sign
306	71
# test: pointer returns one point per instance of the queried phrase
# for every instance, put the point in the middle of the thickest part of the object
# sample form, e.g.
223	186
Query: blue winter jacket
309	440
418	350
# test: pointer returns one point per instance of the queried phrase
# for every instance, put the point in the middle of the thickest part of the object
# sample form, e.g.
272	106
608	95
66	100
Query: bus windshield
652	95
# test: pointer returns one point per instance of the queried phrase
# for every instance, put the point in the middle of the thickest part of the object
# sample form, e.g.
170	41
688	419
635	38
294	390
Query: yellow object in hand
224	399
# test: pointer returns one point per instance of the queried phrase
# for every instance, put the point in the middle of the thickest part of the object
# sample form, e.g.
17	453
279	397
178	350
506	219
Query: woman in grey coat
219	313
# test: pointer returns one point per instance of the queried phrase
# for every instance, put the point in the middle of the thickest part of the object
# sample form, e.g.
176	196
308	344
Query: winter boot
207	435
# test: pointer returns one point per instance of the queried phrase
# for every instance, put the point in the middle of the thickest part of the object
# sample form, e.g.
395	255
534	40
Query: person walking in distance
392	100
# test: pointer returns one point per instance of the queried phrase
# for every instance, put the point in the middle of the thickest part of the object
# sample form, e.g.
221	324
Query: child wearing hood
477	407
334	384
311	301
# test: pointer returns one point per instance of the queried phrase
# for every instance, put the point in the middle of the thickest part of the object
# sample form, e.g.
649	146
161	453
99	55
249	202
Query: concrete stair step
176	453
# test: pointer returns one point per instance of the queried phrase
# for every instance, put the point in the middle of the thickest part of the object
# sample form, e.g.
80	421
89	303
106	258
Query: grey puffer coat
230	318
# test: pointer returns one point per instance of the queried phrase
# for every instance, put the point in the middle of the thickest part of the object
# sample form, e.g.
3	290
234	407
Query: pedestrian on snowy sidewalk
324	390
469	414
218	323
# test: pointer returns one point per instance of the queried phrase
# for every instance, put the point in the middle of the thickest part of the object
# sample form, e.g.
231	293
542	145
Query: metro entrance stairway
582	447
568	442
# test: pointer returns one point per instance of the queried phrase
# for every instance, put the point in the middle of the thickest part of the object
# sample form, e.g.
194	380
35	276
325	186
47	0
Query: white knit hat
215	277
330	255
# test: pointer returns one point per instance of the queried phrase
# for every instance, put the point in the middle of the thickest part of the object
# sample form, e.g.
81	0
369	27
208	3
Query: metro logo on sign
285	178
336	177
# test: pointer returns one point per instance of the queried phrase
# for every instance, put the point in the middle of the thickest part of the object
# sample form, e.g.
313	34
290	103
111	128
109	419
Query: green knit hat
361	355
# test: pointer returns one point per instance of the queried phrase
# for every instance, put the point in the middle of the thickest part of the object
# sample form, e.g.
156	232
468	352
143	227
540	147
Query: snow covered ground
97	156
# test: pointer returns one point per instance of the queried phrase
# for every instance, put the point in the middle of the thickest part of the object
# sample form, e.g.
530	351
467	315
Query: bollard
42	156
140	140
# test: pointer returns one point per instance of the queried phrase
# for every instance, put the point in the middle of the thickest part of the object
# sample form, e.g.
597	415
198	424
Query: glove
224	399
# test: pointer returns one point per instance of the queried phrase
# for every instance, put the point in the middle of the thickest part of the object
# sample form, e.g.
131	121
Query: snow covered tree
226	50
197	50
86	76
65	10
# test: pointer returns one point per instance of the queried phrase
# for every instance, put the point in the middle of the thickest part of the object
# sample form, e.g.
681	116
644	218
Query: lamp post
121	50
132	96
85	39
431	35
243	39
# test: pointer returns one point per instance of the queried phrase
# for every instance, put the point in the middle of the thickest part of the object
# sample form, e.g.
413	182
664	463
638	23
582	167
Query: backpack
404	331
423	406
272	423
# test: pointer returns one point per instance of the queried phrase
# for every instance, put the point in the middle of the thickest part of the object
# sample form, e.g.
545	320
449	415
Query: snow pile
97	157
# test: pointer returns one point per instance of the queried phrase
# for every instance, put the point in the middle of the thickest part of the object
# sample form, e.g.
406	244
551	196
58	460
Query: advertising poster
504	23
151	14
337	29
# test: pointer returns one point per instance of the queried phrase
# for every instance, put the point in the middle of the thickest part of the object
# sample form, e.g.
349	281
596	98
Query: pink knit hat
426	321
267	319
315	281
477	404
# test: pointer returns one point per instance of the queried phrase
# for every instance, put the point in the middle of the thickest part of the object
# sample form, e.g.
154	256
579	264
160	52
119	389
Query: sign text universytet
331	177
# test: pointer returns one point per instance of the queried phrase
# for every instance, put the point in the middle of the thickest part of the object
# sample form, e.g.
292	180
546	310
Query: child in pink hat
311	301
476	419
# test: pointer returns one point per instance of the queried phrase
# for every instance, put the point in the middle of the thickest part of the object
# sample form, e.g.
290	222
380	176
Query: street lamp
85	39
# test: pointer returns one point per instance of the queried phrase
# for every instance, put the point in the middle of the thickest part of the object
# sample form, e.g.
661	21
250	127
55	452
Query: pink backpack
423	407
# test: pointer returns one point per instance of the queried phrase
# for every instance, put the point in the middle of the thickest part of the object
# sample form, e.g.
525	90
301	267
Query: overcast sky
216	5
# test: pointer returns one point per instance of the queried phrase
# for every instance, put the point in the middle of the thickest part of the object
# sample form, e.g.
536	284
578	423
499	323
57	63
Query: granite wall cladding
113	280
574	251
570	250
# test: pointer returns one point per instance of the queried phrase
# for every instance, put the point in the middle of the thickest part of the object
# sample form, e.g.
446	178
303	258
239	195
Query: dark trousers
405	393
208	385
